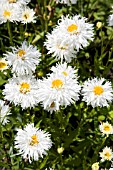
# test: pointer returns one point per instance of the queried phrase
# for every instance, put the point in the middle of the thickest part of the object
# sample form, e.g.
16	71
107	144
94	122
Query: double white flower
32	142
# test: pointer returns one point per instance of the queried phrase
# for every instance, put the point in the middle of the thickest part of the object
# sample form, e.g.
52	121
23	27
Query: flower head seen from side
110	20
68	2
106	128
27	15
58	45
4	112
97	92
77	31
3	64
58	90
32	143
23	59
8	13
95	166
65	70
106	154
22	91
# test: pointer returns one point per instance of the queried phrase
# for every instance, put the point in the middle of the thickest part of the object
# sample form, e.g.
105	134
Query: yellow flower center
12	1
52	105
72	28
2	65
21	53
24	87
57	84
107	128
34	140
26	16
65	73
98	90
6	13
108	155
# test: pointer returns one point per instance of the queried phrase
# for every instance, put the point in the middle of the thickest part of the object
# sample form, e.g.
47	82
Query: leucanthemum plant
58	90
76	30
32	143
24	59
106	128
70	35
22	91
4	112
106	154
97	92
59	47
27	15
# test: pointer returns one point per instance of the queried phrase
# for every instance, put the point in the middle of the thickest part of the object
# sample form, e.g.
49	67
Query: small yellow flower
95	166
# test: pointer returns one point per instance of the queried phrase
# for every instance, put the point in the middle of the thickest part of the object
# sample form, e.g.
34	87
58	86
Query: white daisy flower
95	166
8	13
106	128
23	59
22	91
27	15
110	20
59	46
68	2
3	64
77	31
106	154
58	90
4	112
97	92
32	142
65	70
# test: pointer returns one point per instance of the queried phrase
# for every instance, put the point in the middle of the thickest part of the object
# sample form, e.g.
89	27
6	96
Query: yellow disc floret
24	87
34	140
57	84
6	14
72	28
21	53
12	1
26	16
98	90
107	128
108	155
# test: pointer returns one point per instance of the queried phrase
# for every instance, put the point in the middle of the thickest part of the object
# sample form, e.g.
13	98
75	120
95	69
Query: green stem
9	32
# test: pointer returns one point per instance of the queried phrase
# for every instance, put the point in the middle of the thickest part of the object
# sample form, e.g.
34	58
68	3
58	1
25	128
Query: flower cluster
16	11
61	88
70	35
